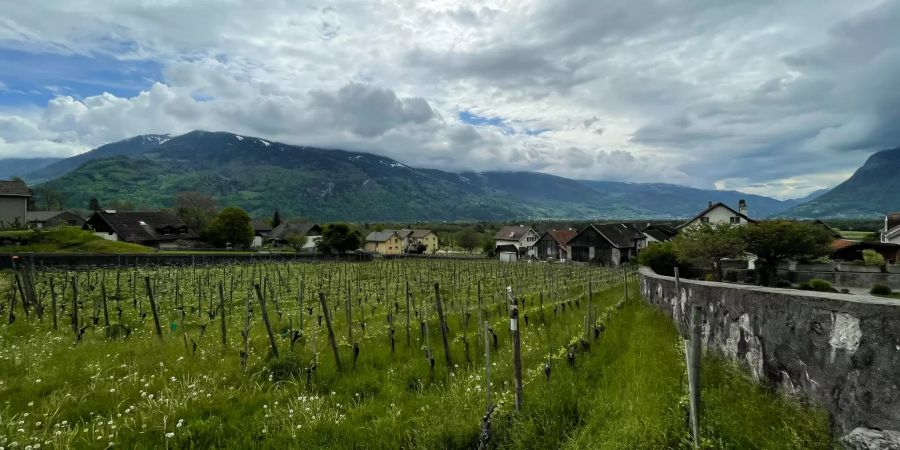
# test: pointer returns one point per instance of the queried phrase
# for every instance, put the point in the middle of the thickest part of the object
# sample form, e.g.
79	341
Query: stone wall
842	351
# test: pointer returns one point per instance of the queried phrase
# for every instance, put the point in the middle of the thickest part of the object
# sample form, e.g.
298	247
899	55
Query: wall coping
864	299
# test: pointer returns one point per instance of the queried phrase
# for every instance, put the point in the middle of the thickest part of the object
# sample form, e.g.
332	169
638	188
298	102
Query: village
603	243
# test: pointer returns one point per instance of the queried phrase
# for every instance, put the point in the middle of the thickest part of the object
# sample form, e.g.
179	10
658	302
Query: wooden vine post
53	303
517	345
487	367
74	305
694	354
265	317
153	308
105	308
331	339
443	324
222	314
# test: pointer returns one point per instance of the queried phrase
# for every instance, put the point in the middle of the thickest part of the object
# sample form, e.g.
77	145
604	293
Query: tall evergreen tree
94	204
276	219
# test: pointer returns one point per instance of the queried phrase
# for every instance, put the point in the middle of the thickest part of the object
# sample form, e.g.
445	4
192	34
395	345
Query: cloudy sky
771	97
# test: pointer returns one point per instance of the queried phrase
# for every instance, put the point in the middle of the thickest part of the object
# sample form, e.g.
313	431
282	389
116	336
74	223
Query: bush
709	277
845	291
731	276
820	285
880	289
872	258
660	257
783	284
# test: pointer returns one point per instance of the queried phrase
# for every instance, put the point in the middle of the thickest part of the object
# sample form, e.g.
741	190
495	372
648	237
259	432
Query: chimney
710	204
742	207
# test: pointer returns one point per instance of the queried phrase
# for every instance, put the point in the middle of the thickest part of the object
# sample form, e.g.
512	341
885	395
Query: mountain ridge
871	192
331	184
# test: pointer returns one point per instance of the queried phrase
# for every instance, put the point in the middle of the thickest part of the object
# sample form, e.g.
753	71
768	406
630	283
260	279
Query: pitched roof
419	234
658	234
14	188
621	235
286	228
838	244
402	234
261	226
714	206
562	237
145	226
380	236
511	233
43	216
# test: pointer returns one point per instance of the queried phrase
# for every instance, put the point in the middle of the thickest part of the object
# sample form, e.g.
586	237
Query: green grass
68	240
858	235
626	391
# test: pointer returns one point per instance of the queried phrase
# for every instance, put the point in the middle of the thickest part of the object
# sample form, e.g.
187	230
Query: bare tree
196	209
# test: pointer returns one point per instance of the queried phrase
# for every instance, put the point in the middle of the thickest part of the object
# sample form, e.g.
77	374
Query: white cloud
772	97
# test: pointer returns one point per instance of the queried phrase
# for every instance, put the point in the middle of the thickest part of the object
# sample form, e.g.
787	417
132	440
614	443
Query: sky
778	98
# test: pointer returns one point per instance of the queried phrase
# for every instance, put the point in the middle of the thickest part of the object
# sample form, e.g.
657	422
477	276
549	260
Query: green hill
872	191
325	185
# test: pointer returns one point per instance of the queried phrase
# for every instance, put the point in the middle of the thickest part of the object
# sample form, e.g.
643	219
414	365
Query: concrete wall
842	351
846	279
12	208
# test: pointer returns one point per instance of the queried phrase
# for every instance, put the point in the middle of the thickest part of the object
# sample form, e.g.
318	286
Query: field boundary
163	259
838	350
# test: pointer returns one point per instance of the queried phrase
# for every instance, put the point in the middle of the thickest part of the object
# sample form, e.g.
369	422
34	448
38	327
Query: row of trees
771	242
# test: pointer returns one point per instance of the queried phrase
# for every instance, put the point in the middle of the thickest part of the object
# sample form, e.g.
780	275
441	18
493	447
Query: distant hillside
669	200
129	147
872	191
18	167
260	176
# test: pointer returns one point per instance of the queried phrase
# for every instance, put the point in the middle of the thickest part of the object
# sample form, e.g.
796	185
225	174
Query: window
735	219
704	220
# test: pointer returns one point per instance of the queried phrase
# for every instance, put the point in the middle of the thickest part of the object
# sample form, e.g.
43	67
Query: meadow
83	363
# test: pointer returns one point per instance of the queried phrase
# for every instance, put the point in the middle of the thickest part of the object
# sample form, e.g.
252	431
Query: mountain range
259	176
17	167
872	191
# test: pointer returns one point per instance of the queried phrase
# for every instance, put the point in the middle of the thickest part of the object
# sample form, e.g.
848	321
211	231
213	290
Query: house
609	244
427	239
508	253
418	241
50	219
659	233
159	229
279	235
555	244
14	196
720	213
891	232
522	237
261	230
847	250
384	242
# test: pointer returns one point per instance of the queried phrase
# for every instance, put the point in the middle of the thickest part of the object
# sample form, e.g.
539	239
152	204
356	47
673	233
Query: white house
891	232
720	213
521	237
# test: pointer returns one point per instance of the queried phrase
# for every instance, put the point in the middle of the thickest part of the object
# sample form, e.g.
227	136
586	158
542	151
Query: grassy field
858	235
67	240
626	389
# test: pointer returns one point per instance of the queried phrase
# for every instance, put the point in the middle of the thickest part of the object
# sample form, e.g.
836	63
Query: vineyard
386	354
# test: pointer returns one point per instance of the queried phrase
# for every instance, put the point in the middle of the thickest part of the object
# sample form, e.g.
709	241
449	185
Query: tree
232	226
94	204
340	238
708	244
779	240
276	219
296	241
195	209
661	257
468	239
